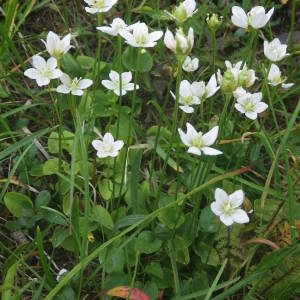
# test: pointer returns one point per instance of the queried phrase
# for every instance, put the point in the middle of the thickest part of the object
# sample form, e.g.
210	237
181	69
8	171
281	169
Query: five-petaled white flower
74	86
227	207
116	85
189	94
108	146
256	17
190	65
249	104
275	77
55	46
115	27
99	6
140	36
180	44
185	10
43	71
275	51
198	142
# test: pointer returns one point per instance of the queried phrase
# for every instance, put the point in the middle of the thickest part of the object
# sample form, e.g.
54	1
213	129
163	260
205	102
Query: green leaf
66	142
18	204
3	92
42	199
105	188
172	217
208	221
8	283
51	166
207	254
59	236
129	60
86	62
71	66
102	216
53	216
147	243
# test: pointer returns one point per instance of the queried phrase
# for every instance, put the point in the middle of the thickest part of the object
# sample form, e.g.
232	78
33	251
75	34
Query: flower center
198	141
45	72
186	100
140	39
74	83
227	208
98	4
108	148
249	106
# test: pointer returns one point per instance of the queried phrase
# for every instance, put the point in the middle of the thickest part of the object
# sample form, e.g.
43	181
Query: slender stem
223	114
213	45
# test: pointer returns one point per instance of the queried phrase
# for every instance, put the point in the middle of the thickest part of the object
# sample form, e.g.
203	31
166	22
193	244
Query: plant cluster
105	201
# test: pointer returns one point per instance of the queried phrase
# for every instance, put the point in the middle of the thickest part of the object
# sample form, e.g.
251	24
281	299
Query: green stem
213	45
223	114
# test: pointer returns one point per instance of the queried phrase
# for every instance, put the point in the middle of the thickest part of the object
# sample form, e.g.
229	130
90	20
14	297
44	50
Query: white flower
180	44
74	86
275	77
55	46
185	10
197	142
43	71
190	65
140	36
115	27
275	51
256	18
212	87
189	94
227	207
249	104
99	6
114	84
61	274
108	146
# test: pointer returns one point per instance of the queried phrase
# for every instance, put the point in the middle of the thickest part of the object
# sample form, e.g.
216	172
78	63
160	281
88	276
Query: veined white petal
77	92
108	84
221	196
184	138
239	17
56	73
51	63
32	73
236	199
65	79
287	85
211	151
260	107
85	83
38	62
251	115
118	145
239	216
63	89
216	208
126	77
114	76
41	81
210	137
187	109
154	36
240	108
108	138
194	150
227	220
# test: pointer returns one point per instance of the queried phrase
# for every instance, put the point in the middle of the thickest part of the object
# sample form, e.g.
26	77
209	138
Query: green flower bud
228	84
180	14
214	22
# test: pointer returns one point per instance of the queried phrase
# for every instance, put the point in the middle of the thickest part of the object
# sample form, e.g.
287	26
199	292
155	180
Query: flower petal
210	137
221	196
211	151
236	198
227	220
240	216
